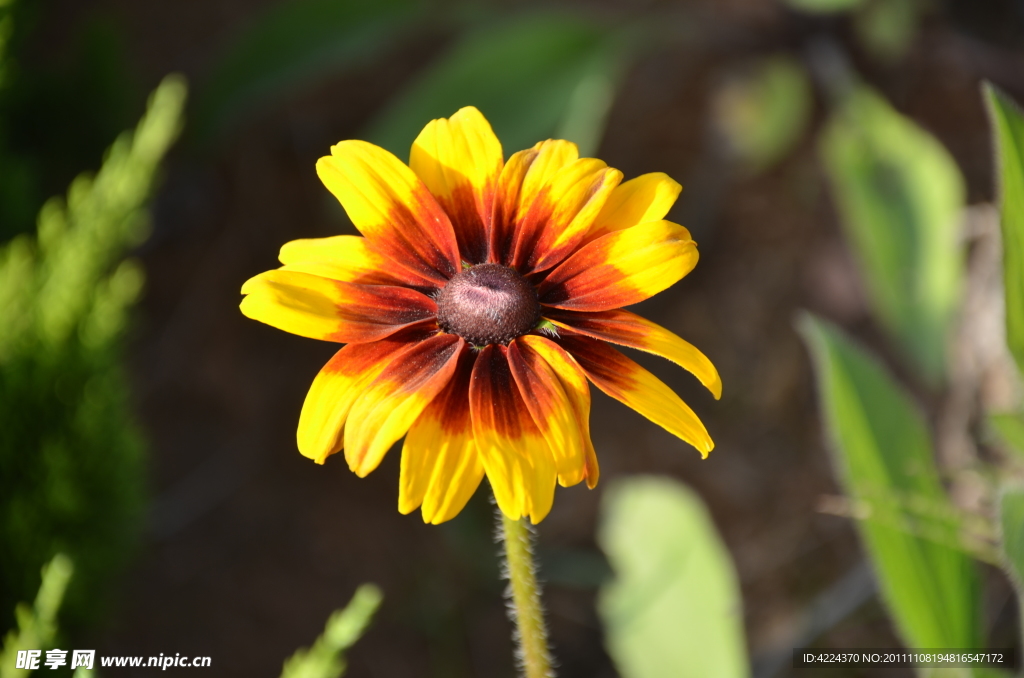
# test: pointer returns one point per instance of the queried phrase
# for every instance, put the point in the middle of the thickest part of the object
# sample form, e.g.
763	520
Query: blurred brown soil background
252	546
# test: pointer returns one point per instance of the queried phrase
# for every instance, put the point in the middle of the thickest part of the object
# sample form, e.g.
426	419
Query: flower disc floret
488	304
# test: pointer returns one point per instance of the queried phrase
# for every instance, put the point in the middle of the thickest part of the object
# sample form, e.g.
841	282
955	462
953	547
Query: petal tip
716	388
254	283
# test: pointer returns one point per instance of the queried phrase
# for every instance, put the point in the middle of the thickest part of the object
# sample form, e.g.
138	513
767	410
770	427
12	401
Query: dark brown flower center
488	304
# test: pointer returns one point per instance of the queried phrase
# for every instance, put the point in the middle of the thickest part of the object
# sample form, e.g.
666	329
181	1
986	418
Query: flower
474	309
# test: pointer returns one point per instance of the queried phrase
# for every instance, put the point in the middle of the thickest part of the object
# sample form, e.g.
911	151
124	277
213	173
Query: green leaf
1011	521
900	196
296	43
1008	123
763	113
534	77
884	460
65	300
37	625
1010	427
674	608
325	659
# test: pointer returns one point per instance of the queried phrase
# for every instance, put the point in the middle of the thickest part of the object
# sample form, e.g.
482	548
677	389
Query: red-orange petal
553	407
396	398
556	216
628	329
514	453
389	204
338	385
627	382
320	308
440	465
348	258
621	268
525	175
459	159
574	382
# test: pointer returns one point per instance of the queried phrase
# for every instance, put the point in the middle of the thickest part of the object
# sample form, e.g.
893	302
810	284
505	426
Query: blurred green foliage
534	77
71	464
764	112
1009	426
885	462
674	608
325	659
38	629
1007	122
900	196
1008	127
37	625
824	6
59	113
1011	523
296	43
886	28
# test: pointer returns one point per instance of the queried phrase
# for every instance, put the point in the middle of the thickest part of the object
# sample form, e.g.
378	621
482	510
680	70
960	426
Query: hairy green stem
524	598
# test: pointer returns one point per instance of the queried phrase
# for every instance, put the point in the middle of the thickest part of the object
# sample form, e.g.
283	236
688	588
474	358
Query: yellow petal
627	382
621	268
628	329
337	386
389	406
459	159
348	258
320	308
440	467
574	382
389	204
648	197
438	471
515	456
551	408
561	213
523	180
551	156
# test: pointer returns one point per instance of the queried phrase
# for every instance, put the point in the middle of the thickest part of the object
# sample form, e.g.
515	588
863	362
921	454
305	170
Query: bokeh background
239	548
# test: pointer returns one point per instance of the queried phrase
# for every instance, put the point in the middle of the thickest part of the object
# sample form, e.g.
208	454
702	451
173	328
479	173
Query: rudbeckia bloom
480	299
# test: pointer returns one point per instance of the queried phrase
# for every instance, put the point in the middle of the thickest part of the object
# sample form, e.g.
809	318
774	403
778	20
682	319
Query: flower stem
524	596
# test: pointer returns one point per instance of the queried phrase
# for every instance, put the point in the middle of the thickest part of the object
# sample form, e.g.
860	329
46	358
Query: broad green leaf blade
900	196
763	113
533	78
884	460
674	608
296	43
1011	521
1008	122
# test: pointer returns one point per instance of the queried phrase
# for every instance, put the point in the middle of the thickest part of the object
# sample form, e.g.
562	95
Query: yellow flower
475	308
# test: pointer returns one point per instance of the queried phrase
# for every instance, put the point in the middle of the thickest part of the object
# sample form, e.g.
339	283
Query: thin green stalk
524	598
